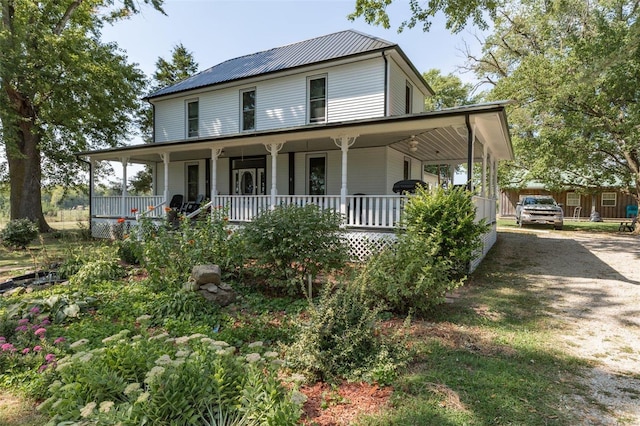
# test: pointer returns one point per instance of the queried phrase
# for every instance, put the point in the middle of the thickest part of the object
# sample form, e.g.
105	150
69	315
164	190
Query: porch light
413	144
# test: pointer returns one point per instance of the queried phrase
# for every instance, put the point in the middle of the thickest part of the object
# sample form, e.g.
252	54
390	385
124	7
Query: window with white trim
609	199
248	109
573	199
192	118
317	93
408	98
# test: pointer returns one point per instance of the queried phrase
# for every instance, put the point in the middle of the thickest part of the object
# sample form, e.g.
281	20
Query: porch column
124	212
484	172
452	173
471	138
92	182
273	149
344	143
215	153
165	158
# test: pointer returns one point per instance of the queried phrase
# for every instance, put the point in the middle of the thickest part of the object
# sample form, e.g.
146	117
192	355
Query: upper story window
192	118
408	99
317	99
248	112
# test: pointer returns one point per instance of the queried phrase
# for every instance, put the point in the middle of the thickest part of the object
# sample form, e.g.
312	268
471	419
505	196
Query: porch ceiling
441	138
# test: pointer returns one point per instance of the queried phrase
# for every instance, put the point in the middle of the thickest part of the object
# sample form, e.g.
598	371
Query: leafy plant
18	233
341	339
430	257
290	242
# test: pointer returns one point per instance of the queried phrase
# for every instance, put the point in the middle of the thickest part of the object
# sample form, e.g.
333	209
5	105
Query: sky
218	30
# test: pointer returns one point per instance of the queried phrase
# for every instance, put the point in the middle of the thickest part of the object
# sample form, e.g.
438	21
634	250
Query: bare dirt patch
591	283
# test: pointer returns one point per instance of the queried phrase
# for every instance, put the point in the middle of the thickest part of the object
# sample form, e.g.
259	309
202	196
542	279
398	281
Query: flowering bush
158	379
26	349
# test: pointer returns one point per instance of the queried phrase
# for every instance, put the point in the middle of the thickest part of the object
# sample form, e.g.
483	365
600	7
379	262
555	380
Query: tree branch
67	15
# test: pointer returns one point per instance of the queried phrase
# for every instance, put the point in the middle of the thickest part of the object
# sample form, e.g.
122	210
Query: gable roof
342	44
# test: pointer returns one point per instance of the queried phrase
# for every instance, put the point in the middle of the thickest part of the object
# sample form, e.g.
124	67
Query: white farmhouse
335	121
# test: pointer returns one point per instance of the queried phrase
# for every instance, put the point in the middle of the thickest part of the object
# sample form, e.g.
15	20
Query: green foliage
201	241
57	307
431	255
182	306
18	233
103	264
449	90
341	339
457	13
290	242
148	379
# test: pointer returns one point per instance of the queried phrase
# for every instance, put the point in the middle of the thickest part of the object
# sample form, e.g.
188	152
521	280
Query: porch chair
628	226
192	206
631	210
176	202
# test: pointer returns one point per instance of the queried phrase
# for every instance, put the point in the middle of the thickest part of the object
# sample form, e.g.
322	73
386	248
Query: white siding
354	91
398	83
366	171
395	168
170	120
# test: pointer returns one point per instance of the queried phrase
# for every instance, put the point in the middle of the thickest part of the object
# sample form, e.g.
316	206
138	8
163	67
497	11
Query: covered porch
347	167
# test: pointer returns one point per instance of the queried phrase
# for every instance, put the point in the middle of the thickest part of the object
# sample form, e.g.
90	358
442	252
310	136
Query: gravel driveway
592	284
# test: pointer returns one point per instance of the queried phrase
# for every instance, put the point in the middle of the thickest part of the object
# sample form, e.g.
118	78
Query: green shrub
18	233
168	254
431	255
290	242
341	339
142	379
100	264
448	217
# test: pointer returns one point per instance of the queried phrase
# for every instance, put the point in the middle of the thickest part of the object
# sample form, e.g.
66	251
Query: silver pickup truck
539	209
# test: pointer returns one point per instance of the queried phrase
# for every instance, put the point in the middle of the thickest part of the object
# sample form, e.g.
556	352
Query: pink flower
46	321
37	348
8	347
22	328
23	321
25	351
40	332
59	340
35	310
49	357
3	339
42	368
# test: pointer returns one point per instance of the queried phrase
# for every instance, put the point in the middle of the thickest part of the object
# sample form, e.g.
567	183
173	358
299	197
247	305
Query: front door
245	182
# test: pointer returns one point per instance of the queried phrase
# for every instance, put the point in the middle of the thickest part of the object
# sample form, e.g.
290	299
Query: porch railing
485	209
118	206
366	211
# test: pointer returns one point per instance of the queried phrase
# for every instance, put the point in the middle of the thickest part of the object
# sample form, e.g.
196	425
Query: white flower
256	344
79	343
105	406
144	396
136	337
87	410
206	340
143	318
182	340
131	388
196	336
55	386
298	378
163	360
220	343
271	354
183	354
159	336
153	373
254	357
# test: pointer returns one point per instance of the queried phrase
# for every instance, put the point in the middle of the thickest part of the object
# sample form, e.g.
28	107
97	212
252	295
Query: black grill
408	185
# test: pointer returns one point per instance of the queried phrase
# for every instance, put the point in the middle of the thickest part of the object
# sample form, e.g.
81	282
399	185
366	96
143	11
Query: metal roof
329	47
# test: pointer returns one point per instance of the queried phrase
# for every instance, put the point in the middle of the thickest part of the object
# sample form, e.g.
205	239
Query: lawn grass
486	357
583	225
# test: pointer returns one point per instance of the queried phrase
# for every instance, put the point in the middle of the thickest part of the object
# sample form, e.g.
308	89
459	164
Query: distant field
62	220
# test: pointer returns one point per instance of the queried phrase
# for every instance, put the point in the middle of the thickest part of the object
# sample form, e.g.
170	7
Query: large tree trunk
25	175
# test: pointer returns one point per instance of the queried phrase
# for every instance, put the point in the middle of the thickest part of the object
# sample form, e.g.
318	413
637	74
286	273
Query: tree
62	91
181	66
449	90
457	12
573	68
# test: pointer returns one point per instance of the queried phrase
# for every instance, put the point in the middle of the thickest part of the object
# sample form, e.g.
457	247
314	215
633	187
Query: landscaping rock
221	295
14	291
206	274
